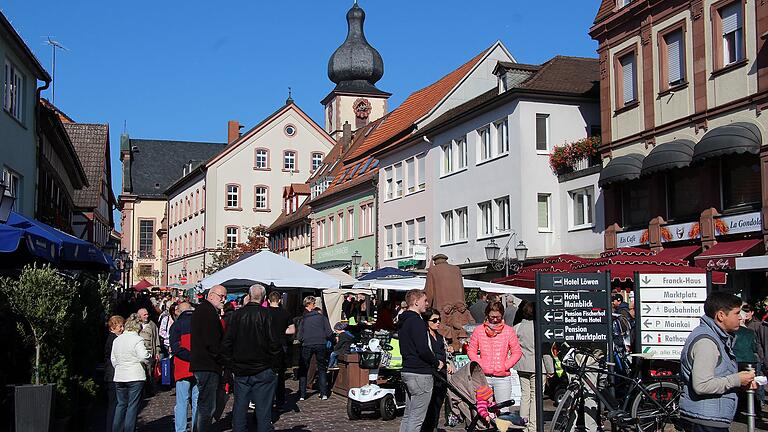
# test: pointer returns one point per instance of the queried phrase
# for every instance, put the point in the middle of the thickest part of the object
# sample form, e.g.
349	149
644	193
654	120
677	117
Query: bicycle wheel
565	415
656	413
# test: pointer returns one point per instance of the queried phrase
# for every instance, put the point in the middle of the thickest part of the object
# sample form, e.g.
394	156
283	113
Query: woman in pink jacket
495	347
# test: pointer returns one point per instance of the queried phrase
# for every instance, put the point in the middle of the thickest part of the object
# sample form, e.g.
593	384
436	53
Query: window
262	159
340	230
502	214
233	196
581	207
544	212
260	194
13	92
542	132
331	230
13	182
366	219
635	203
672	54
390	243
350	224
484	143
421	228
448	236
398	180
289	160
628	83
741	181
399	239
461	152
502	137
232	237
485	219
146	238
320	233
389	183
447	158
684	195
462	221
411	229
197	200
622	3
421	168
730	26
410	166
317	160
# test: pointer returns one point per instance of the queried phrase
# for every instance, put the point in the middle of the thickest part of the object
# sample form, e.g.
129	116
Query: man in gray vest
708	367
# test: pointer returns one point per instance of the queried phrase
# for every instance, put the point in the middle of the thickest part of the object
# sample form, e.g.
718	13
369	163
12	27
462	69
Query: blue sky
178	69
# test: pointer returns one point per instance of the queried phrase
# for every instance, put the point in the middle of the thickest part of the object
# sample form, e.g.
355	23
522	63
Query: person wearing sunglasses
495	346
439	391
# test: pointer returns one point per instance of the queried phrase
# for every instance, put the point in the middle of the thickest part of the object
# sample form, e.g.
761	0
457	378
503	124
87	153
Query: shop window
635	203
684	197
741	181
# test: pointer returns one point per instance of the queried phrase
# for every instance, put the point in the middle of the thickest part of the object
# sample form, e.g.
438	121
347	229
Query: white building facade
186	229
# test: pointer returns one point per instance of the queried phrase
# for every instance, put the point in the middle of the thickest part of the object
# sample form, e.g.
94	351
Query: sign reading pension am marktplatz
572	310
668	308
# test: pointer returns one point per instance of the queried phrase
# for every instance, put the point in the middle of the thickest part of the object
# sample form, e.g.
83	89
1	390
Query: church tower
355	67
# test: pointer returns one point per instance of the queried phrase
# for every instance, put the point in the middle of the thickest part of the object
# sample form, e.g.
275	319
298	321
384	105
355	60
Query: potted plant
41	298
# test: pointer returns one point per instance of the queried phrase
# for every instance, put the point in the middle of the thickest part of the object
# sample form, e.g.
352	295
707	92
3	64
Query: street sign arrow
547	300
646	280
647	323
548	333
646	309
548	316
648	338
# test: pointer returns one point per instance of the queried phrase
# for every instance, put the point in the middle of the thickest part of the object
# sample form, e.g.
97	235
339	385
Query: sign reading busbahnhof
572	309
668	307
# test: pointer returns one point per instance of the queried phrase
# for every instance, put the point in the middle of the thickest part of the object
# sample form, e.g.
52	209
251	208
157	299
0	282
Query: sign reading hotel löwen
572	309
667	308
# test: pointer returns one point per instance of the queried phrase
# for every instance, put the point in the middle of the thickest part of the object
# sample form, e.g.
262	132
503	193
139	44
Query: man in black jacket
314	333
252	349
418	361
205	359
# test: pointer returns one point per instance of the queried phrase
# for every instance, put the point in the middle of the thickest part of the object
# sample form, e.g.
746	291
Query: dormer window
622	3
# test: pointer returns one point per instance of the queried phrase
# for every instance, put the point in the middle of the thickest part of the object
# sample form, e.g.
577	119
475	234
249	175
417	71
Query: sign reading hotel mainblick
668	307
573	310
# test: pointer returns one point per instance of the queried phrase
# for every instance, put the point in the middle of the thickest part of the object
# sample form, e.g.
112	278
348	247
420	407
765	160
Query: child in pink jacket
495	346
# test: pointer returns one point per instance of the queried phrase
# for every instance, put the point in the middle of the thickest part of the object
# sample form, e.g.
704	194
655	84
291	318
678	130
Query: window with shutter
675	58
731	22
628	78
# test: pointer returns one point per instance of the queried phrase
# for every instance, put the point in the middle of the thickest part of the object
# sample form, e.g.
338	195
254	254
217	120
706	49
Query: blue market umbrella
70	248
386	273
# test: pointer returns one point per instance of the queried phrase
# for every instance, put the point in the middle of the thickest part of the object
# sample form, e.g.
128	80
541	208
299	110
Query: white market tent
345	279
269	268
406	284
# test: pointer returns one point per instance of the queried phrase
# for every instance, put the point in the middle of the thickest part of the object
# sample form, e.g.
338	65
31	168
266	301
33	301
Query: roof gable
23	49
262	126
91	141
421	104
606	8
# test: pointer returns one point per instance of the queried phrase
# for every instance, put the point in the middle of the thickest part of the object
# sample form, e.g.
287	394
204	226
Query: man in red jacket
186	386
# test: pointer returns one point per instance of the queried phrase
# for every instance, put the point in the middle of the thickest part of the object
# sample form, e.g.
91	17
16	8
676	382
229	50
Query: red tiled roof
606	8
564	74
287	219
300	188
417	105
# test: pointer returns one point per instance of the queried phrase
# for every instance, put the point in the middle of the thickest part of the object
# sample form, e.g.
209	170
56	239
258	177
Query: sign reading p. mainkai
673	280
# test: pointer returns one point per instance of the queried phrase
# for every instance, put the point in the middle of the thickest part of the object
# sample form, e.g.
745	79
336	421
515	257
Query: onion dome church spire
354	67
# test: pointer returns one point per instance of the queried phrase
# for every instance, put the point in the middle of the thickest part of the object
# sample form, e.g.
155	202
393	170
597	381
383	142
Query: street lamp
128	265
156	274
6	201
492	253
356	258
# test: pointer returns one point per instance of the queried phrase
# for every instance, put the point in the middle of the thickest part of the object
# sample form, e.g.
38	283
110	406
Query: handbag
157	372
165	371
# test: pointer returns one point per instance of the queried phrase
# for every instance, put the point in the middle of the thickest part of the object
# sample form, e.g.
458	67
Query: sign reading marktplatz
668	307
572	309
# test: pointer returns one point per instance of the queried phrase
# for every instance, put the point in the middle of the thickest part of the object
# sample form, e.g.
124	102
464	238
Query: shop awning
622	168
142	285
675	154
734	138
722	256
679	253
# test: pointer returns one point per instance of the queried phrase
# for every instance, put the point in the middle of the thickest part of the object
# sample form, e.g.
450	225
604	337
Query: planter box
32	407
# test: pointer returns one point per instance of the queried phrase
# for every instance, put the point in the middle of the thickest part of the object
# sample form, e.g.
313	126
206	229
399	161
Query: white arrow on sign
548	316
547	300
548	333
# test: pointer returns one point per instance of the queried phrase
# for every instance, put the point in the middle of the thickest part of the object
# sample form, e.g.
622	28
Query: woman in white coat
128	355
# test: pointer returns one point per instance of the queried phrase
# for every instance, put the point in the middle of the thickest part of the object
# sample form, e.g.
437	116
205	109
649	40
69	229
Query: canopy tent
407	284
334	299
344	278
142	285
269	268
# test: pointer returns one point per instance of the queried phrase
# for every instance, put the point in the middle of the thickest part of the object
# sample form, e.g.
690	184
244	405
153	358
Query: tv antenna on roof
54	46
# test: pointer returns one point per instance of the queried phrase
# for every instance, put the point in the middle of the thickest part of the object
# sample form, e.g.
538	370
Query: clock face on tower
362	108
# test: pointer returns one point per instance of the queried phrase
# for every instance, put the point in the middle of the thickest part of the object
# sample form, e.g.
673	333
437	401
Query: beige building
149	168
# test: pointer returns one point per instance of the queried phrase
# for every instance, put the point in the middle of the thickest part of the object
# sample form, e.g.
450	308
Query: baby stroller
461	394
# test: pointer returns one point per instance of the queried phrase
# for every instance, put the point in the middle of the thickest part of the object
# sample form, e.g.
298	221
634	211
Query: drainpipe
38	132
375	183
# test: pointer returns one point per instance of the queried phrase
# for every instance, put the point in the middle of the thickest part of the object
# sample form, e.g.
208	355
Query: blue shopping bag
165	371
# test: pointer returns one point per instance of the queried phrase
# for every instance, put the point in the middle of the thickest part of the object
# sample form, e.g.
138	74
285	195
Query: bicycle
644	408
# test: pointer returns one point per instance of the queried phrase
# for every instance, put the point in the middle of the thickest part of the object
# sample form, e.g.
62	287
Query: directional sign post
668	307
572	309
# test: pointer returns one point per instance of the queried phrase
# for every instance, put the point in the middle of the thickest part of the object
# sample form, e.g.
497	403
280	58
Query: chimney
346	135
233	131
